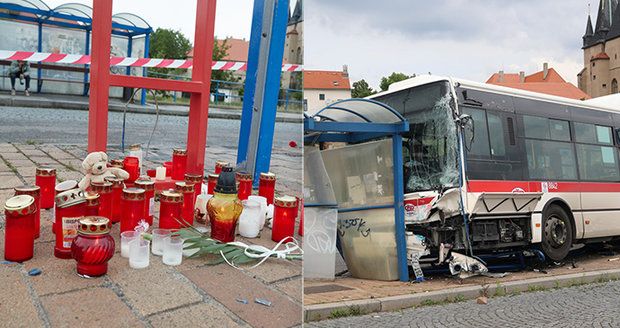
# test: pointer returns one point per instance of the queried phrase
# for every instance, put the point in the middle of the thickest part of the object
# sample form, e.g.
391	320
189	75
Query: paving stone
9	181
292	288
93	307
198	315
61	155
27	171
157	282
58	274
4	168
226	284
43	160
13	155
20	162
276	270
17	308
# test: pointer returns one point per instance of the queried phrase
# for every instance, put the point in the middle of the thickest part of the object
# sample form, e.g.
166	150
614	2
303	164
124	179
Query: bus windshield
430	157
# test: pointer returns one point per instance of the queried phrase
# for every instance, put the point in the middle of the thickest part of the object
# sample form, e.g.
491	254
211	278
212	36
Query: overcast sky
469	39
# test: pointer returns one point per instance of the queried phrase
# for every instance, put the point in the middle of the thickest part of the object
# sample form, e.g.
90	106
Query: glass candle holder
149	197
126	238
196	181
65	185
158	240
132	166
34	192
173	250
179	164
284	215
70	208
132	203
170	207
244	185
219	165
46	180
211	182
139	254
250	219
92	204
93	247
104	189
19	213
264	208
200	209
187	211
224	207
267	186
117	192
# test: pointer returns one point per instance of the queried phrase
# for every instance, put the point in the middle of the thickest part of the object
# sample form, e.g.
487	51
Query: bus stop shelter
359	121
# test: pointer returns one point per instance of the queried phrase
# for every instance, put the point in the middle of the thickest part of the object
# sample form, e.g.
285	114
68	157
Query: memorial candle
117	192
170	206
132	204
244	181
149	197
35	192
179	164
70	208
19	214
284	215
46	180
187	190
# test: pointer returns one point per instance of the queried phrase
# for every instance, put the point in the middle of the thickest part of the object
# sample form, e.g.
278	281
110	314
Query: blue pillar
147	46
399	208
250	81
87	67
39	49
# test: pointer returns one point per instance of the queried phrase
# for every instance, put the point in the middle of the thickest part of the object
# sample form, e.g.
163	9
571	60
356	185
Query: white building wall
314	103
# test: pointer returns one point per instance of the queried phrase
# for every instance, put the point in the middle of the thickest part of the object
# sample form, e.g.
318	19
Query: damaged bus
490	168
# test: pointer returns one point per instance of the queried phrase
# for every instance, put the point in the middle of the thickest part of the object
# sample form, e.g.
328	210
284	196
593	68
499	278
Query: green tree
361	89
170	44
220	51
394	77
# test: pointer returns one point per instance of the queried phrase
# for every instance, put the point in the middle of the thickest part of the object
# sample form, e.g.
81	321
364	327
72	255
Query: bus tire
557	233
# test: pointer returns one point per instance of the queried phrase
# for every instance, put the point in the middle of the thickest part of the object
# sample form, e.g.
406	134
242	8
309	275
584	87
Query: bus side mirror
466	123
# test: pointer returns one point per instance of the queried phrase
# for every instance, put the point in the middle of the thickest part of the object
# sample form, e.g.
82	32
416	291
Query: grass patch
346	312
536	288
499	290
456	299
31	142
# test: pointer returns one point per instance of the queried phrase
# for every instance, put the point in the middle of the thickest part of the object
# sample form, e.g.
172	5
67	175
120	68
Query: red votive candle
46	180
93	247
34	192
187	210
132	166
117	192
211	182
179	164
267	186
19	212
104	189
196	181
219	165
132	203
244	189
70	208
170	207
284	215
92	204
149	197
168	166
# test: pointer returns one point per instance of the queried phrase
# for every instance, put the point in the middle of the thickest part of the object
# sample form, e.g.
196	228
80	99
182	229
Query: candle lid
92	198
135	147
27	190
267	176
285	201
94	225
226	183
244	176
70	197
145	183
133	193
183	187
116	182
193	178
221	163
20	205
101	187
213	176
116	163
66	185
46	171
178	151
170	196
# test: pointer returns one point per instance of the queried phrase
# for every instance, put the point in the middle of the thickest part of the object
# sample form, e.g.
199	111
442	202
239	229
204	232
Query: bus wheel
557	234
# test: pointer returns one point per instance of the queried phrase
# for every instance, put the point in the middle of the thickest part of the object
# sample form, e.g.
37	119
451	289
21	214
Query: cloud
468	39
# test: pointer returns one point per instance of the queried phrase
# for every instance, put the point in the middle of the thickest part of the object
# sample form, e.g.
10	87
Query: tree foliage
394	77
361	89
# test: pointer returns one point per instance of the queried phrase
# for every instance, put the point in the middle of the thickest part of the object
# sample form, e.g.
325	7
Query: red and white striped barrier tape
47	57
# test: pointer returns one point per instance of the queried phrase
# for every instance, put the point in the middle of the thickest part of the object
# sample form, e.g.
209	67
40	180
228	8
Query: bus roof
608	103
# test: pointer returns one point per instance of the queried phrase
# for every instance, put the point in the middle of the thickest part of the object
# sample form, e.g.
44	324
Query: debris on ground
262	301
540	270
242	300
482	300
34	272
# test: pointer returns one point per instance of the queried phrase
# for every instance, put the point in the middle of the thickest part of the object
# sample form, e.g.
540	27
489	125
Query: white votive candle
160	173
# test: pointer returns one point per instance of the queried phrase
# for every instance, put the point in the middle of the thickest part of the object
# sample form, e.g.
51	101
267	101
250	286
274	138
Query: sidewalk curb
78	105
319	312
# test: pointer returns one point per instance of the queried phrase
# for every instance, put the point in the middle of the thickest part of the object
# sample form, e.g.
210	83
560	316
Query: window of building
550	160
614	86
604	86
593	64
597	163
321	96
593	77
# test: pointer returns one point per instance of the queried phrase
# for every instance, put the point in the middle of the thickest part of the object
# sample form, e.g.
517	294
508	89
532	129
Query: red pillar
100	75
199	102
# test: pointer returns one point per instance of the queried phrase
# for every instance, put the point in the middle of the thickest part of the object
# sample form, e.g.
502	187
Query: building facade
322	88
601	52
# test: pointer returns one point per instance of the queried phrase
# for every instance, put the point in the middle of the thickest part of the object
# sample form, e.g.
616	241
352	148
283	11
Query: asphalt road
595	305
60	126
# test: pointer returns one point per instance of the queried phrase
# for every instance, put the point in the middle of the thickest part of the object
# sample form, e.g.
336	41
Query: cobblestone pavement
192	294
596	305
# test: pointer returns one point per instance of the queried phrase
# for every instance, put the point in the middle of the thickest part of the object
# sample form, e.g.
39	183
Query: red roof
552	76
600	55
237	50
554	84
332	80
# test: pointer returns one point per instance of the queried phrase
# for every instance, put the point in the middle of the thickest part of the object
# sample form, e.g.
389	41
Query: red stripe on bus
536	186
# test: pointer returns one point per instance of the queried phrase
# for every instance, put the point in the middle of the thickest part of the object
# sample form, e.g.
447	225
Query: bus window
496	131
480	144
597	163
585	133
559	130
536	127
550	160
603	134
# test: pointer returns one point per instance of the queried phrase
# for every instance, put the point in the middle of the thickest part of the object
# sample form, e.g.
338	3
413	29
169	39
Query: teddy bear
96	168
